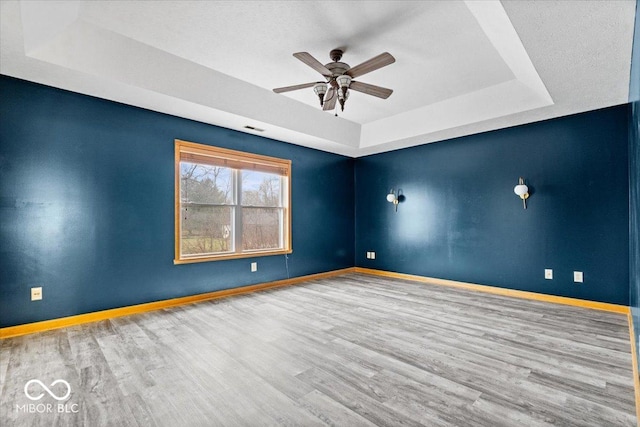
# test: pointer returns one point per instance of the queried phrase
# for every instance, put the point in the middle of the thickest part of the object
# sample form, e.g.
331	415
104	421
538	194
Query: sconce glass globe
521	189
391	197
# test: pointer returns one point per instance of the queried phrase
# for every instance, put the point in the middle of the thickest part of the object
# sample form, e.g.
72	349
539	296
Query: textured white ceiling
461	66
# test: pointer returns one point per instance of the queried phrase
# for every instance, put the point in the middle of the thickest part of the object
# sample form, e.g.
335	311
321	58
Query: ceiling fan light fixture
343	82
339	78
320	89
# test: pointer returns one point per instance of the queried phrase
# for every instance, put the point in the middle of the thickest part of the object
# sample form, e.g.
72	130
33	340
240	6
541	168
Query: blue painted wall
86	206
634	181
462	221
634	217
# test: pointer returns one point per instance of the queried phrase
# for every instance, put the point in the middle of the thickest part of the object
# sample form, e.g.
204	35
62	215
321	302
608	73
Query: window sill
251	254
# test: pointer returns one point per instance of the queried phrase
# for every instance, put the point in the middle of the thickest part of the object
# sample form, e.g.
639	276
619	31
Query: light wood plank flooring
354	350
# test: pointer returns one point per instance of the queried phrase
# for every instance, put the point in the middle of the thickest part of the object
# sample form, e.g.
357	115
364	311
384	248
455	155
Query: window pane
261	228
260	189
206	229
205	184
229	204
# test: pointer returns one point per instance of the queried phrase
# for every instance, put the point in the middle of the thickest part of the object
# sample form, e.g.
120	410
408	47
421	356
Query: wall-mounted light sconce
522	190
393	197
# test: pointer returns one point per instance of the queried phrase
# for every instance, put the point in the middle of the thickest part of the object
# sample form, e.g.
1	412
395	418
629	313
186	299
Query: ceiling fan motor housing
337	68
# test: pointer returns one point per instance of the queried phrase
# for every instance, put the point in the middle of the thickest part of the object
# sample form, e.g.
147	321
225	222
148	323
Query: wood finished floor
354	350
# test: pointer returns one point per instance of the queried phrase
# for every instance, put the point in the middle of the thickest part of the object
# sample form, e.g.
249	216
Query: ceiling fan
339	78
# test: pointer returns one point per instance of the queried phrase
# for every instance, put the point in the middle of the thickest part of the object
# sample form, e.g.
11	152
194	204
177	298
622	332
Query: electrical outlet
254	267
577	277
373	255
548	274
36	294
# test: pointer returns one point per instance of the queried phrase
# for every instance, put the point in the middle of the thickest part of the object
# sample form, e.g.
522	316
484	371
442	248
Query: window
230	204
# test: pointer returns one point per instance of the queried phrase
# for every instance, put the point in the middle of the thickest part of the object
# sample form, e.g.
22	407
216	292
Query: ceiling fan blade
313	63
330	99
379	61
296	87
380	92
